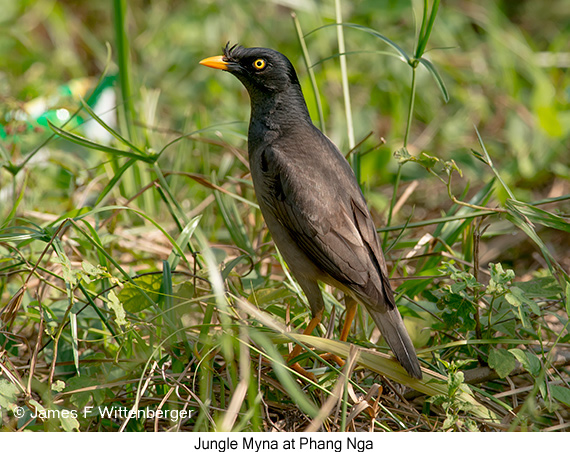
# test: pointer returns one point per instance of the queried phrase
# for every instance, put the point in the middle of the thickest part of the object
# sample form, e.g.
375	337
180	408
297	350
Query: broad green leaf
518	304
546	287
265	296
501	361
133	299
517	294
80	396
500	279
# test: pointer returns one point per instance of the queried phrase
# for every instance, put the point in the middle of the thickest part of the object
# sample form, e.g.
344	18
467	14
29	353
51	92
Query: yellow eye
259	64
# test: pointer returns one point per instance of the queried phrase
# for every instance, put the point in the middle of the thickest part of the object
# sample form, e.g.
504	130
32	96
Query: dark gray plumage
309	196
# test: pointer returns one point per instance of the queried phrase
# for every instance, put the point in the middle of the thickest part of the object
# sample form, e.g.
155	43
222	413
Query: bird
311	201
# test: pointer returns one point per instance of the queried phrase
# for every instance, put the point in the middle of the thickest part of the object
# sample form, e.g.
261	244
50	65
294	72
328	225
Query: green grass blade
438	80
536	215
370	31
311	71
182	241
124	63
523	223
14	208
113	182
426	27
423	27
489	162
112	132
283	373
81	141
431	384
233	221
346	90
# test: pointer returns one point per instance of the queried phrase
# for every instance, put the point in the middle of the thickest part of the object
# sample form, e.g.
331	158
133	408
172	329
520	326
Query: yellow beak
216	62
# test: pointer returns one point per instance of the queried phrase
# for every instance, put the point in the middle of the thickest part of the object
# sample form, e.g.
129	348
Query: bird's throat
274	113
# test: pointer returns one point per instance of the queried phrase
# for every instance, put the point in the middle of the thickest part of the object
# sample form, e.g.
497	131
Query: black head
259	69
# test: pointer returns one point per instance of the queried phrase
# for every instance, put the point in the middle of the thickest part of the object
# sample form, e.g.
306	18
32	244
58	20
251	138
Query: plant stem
345	90
123	61
411	106
310	71
405	146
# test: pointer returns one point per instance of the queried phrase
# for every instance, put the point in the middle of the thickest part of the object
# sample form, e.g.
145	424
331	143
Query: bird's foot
297	368
331	357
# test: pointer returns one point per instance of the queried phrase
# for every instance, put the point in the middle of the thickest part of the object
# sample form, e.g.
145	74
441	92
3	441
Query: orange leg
351	307
310	327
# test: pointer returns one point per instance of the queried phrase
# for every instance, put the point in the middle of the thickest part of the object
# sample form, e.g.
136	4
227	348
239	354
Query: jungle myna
310	199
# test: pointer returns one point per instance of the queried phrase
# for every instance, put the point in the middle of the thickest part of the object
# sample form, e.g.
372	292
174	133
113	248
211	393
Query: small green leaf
517	302
568	298
69	423
115	304
80	397
455	381
507	327
500	279
403	156
58	386
427	161
479	156
528	360
561	394
501	361
8	394
517	298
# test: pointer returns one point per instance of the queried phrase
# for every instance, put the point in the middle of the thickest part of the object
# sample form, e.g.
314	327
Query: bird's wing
330	222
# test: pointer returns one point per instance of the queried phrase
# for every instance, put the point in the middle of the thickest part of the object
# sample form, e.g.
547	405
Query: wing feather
333	228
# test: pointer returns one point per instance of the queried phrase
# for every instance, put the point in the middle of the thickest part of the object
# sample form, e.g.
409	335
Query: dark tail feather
394	332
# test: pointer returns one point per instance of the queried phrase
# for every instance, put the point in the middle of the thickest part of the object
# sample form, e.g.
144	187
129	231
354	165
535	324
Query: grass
135	268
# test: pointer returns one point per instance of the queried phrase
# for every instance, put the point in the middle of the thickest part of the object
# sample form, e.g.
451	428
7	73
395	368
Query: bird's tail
394	332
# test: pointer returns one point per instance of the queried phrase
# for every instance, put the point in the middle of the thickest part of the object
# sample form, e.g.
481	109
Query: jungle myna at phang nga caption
311	201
